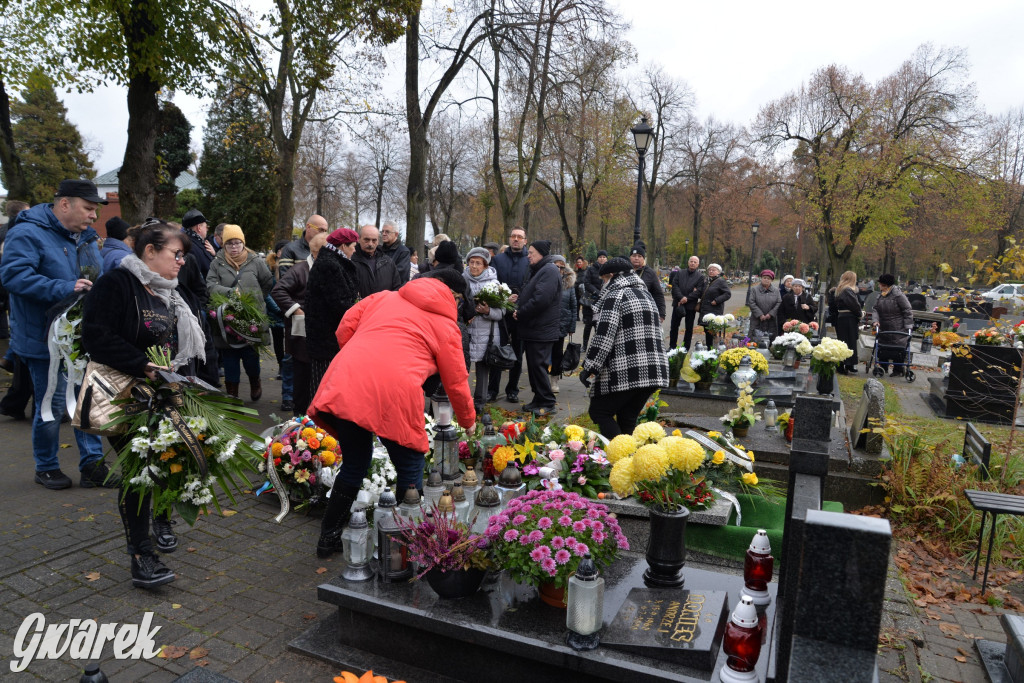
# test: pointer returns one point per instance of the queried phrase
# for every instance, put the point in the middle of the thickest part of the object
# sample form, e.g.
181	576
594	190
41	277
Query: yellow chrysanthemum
574	433
327	458
749	478
714	435
650	463
685	455
621	476
677	432
308	433
503	455
329	442
276	449
648	432
620	447
718	458
750	454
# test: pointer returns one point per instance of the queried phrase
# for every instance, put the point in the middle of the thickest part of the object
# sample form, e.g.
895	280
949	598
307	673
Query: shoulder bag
571	356
101	386
498	355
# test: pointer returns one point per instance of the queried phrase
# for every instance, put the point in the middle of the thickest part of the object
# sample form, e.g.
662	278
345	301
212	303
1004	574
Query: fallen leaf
204	662
228	513
321	570
175	605
172	651
962	651
309	616
960	659
67	505
65	445
92	576
190	550
949	629
198	653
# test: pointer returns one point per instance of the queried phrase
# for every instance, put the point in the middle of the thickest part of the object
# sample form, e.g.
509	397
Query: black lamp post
782	261
753	248
687	254
642	136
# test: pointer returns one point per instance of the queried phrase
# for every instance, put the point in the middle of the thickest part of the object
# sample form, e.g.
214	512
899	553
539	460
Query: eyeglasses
517	237
388	232
179	255
315	227
234	244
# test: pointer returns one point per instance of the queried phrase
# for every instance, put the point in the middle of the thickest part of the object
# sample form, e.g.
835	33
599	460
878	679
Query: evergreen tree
172	157
50	146
236	171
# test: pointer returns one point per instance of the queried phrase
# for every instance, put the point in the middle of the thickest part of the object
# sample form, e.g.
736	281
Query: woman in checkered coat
627	353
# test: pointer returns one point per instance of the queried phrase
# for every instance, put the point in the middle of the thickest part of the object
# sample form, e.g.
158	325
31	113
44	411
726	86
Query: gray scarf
191	340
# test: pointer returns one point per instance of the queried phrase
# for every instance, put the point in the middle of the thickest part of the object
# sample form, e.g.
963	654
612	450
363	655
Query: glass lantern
741	644
433	489
510	485
771	417
355	541
584	613
470	485
490	439
446	506
486	505
411	509
446	446
744	374
757	569
462	505
393	555
789	357
386	506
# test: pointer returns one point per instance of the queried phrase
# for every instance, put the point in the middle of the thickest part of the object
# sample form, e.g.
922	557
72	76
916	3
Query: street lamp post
642	136
687	254
782	261
753	248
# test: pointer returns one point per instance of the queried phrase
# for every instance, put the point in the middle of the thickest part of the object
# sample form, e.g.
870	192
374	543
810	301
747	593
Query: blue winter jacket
512	268
40	267
113	251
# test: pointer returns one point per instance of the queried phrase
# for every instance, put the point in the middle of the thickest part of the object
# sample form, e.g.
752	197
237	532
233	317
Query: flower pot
457	584
740	431
824	384
666	549
702	385
551	595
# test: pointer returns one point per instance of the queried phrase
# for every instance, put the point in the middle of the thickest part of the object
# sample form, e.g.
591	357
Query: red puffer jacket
391	342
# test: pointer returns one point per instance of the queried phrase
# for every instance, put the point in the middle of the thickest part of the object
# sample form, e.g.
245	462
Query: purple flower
229	317
545	551
511	535
593	513
524	539
549	566
295	457
253	328
581	549
213	314
622	541
599	536
597	526
536	535
518	519
570	542
565	520
530	469
557	542
537	555
579	527
562	556
544	523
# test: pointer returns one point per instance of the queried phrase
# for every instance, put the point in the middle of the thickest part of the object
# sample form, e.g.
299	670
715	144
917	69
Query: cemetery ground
246	586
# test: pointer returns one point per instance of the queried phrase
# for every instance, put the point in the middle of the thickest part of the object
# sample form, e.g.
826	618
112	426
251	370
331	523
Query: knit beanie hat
639	249
715	265
616	265
558	257
343	236
233	232
447	253
450	277
481	253
887	279
543	247
117	228
602	252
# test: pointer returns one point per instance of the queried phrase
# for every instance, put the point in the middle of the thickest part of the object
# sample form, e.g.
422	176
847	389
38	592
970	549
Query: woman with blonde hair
844	305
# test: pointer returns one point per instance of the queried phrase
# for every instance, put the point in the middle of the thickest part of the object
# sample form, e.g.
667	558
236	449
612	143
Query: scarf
191	340
243	257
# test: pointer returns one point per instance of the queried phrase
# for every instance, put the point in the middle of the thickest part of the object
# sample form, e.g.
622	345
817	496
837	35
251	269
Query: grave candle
741	644
356	549
757	568
584	606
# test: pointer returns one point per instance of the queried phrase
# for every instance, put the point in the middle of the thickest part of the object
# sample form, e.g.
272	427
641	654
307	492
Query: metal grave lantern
446	446
355	540
744	374
393	556
584	614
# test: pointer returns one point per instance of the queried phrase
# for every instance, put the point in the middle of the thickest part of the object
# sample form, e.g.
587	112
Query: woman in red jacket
391	342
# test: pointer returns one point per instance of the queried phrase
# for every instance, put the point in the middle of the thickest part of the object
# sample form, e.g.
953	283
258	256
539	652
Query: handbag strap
490	335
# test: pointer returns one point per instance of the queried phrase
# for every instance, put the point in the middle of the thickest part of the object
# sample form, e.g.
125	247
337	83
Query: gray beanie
481	252
559	257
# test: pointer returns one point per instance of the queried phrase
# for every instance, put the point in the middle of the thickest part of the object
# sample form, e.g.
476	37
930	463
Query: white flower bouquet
495	295
827	355
718	323
705	364
790	340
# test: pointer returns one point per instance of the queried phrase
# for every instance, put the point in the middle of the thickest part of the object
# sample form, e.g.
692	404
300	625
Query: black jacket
847	302
400	254
332	289
537	310
376	274
791	308
198	251
294	252
688	284
592	283
715	295
653	284
512	268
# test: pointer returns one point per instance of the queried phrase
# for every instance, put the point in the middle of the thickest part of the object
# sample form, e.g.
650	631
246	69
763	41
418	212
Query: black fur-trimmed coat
332	289
626	351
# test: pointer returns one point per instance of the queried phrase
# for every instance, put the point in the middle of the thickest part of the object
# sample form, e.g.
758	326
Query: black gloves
585	378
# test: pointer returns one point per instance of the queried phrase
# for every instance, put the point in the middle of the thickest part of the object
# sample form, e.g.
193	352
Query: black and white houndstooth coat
627	351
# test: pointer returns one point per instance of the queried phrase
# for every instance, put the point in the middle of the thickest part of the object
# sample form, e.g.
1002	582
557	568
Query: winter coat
390	344
653	284
791	308
39	269
112	326
294	252
253	277
593	283
481	326
112	252
198	250
892	311
847	302
713	299
513	269
764	302
626	351
537	309
290	296
331	290
376	274
400	254
688	284
567	325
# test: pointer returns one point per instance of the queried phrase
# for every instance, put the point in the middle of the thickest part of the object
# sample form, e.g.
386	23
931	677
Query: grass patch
851	388
742	312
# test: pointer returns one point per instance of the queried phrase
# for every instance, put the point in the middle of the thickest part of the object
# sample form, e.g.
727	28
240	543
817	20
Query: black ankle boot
163	535
149	572
339	510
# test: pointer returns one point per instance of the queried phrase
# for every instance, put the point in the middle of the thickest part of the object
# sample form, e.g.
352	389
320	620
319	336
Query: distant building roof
185	181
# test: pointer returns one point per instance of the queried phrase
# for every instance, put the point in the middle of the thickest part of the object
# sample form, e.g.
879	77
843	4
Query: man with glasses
48	255
513	269
392	247
375	271
297	250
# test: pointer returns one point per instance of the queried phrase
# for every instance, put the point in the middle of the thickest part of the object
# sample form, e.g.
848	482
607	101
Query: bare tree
448	172
707	150
380	143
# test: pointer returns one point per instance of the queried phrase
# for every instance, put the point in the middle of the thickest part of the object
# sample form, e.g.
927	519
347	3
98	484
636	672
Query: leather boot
339	511
231	388
255	388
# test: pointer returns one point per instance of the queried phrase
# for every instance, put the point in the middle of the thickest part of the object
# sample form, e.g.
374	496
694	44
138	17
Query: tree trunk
698	209
415	193
138	170
285	188
10	162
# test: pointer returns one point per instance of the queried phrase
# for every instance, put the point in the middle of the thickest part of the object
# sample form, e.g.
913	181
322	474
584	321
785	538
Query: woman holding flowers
627	354
714	297
483	327
238	268
798	304
415	330
130	309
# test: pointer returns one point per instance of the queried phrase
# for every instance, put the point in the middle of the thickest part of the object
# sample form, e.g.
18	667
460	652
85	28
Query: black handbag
499	355
571	357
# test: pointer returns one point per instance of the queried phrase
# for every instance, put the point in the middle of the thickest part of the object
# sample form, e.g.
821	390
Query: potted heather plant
449	557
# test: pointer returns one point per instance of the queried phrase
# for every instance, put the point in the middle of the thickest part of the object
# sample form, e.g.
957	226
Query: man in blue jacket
513	269
44	255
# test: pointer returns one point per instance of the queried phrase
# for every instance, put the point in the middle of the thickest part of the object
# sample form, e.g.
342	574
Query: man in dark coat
687	286
297	250
592	284
513	269
375	272
538	316
391	246
195	226
638	259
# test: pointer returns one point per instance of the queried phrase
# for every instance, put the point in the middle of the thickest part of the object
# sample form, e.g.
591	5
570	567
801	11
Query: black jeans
616	413
846	331
134	509
681	314
538	357
19	396
483	370
588	325
557	349
516	371
301	398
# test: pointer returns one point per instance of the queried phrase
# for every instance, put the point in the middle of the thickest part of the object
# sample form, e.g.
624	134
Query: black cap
80	188
615	265
887	279
447	253
449	276
543	247
192	218
639	249
117	228
601	252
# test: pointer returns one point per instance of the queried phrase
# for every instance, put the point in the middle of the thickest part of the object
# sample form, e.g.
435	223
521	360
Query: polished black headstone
812	418
680	626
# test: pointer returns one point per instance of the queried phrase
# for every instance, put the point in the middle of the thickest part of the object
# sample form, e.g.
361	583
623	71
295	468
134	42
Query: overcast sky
737	55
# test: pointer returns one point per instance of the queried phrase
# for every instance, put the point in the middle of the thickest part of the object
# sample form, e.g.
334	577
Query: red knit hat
769	273
343	236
